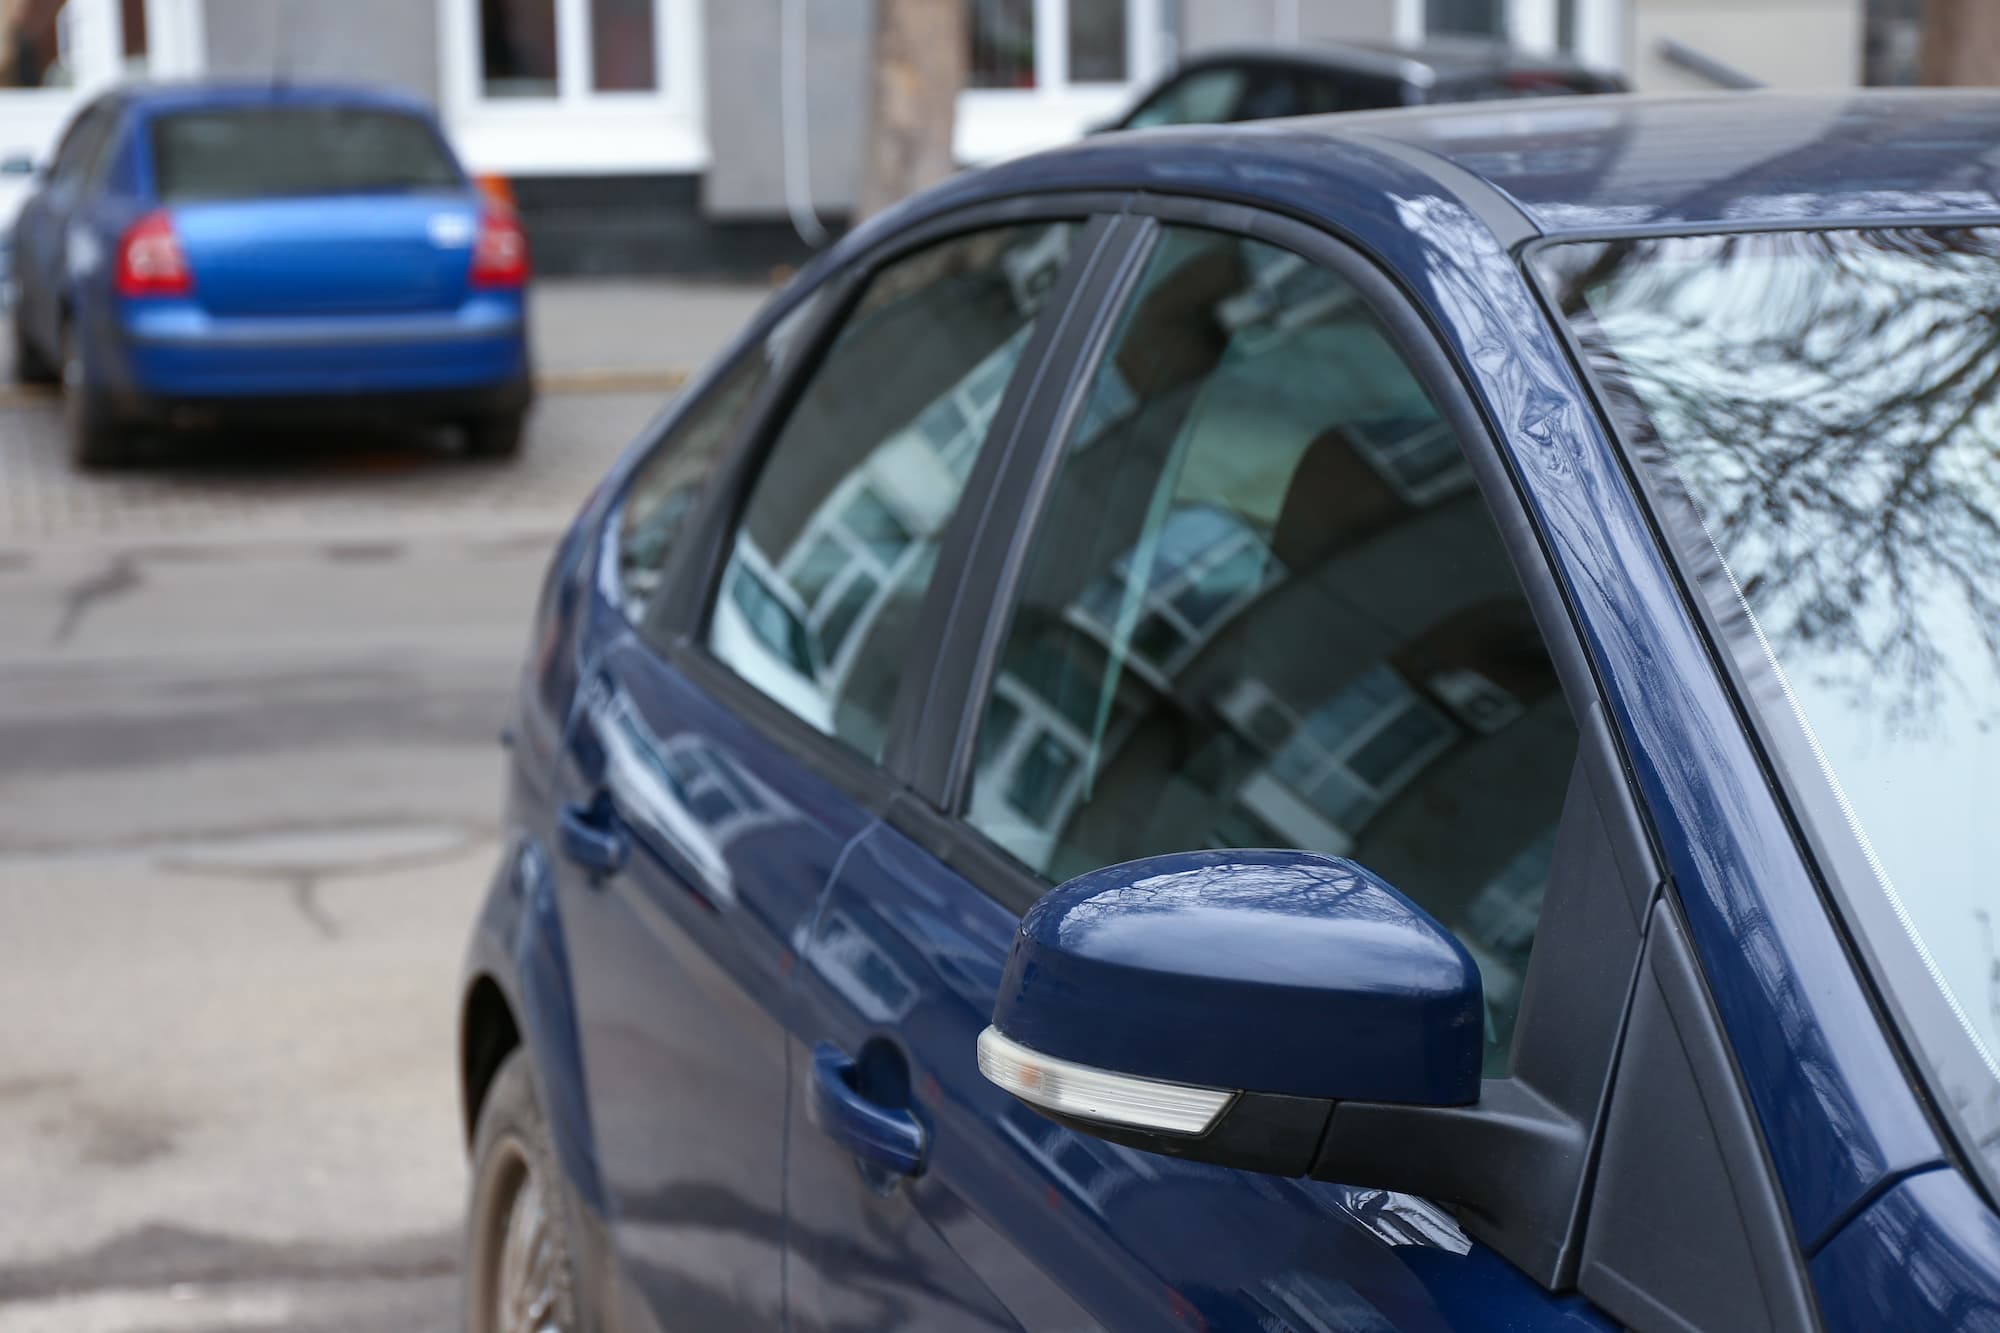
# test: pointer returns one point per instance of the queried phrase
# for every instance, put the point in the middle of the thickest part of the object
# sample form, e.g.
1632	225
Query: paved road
248	786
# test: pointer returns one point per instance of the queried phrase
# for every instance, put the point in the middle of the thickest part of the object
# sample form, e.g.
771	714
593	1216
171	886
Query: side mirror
1216	1005
18	164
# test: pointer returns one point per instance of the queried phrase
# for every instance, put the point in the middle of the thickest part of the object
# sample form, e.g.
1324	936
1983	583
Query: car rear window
264	152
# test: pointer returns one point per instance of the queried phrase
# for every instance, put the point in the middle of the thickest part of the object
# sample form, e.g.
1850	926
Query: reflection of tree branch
1823	398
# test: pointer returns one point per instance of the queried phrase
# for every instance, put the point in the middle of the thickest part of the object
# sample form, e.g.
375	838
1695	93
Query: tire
30	366
96	438
495	437
518	1273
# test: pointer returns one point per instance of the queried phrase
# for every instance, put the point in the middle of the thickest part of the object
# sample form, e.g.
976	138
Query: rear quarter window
272	152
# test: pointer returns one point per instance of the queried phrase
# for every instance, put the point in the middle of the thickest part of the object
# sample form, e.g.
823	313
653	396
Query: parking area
249	785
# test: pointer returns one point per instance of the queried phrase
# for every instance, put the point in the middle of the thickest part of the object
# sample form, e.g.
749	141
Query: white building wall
1803	44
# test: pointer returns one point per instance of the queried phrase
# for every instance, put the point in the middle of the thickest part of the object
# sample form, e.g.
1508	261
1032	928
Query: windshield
267	152
1818	416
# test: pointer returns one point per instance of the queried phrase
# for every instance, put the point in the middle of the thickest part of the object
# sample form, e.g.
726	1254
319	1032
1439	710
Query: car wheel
495	437
96	438
30	366
518	1277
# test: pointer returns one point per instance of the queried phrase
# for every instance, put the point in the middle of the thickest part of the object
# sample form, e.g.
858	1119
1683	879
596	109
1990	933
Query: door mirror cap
1215	1005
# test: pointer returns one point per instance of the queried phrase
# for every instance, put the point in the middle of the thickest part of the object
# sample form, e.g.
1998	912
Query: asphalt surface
249	785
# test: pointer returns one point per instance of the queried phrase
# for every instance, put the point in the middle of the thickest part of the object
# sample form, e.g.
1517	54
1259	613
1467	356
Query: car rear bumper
176	353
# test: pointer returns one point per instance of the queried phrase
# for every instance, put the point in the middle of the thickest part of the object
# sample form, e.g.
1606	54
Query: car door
1268	589
724	750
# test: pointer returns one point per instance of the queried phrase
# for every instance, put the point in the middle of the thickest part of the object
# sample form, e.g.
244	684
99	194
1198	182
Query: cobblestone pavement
289	483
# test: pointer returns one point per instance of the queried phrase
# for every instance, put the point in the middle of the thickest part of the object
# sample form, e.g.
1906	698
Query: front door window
1266	606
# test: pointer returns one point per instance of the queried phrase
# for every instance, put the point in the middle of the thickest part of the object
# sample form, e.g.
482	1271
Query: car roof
1438	60
1590	164
212	94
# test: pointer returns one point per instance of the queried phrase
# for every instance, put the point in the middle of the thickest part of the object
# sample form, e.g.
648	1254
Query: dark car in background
1262	83
1389	725
200	255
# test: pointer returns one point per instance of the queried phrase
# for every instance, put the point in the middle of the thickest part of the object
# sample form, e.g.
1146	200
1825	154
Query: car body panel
1922	1255
683	1011
1058	1229
1849	1144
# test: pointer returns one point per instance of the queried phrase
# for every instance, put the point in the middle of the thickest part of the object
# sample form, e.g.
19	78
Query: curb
557	382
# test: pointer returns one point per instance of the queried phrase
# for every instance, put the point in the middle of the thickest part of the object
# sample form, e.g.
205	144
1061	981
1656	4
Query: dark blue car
1378	723
203	254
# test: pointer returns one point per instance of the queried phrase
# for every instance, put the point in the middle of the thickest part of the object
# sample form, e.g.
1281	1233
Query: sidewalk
586	328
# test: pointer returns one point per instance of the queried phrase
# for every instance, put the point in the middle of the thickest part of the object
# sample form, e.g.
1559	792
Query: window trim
1551	1103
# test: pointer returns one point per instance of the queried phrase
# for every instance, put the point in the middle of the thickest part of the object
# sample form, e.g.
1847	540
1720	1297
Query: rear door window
831	559
274	152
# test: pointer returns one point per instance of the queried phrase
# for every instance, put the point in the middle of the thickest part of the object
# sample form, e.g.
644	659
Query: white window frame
579	131
1533	25
996	123
32	119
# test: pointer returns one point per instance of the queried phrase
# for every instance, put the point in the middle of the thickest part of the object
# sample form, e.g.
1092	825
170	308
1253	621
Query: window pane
1097	41
1271	93
1003	44
1201	98
1235	625
668	484
34	46
517	48
623	45
1820	413
1481	18
265	153
842	527
132	14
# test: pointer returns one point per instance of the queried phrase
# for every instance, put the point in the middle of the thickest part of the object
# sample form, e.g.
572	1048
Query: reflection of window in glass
517	48
1003	44
1360	747
840	535
1236	629
36	50
1097	41
1205	565
623	46
1420	458
667	485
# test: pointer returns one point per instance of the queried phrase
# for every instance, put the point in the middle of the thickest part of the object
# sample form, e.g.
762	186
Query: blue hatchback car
200	254
1372	723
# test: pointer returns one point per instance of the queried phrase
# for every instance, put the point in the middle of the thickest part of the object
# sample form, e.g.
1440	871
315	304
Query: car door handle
590	836
885	1136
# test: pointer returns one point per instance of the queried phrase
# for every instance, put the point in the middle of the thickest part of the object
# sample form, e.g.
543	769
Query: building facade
711	135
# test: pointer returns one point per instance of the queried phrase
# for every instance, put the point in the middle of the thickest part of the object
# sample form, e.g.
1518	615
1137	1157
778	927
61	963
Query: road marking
635	380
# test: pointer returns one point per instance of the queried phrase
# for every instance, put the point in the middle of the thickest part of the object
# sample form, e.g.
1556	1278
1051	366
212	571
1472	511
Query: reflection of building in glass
1267	608
682	788
839	542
